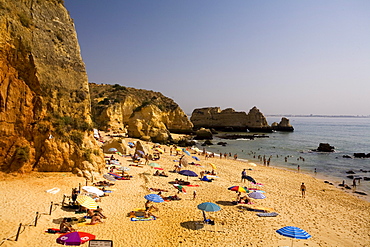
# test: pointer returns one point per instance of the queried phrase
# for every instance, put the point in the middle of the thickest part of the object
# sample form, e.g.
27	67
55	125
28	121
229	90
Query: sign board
100	243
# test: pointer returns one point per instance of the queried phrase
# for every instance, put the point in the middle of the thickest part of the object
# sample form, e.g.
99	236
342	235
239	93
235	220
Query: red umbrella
75	238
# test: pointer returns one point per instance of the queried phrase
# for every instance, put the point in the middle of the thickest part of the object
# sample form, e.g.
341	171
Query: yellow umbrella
87	202
178	149
213	166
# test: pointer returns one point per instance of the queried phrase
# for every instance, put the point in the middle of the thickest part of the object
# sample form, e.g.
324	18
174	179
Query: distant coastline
312	115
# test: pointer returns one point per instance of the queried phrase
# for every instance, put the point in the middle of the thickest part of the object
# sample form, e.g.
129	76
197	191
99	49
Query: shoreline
320	213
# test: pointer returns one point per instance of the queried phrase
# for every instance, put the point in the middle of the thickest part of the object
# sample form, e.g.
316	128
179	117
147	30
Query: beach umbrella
208	207
195	157
188	173
154	165
109	177
141	152
213	166
249	178
131	144
75	238
94	190
252	164
123	168
184	161
154	198
256	195
187	152
180	188
87	202
293	232
178	149
239	189
113	150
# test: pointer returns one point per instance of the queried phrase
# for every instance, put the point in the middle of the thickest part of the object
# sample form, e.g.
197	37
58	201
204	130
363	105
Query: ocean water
347	135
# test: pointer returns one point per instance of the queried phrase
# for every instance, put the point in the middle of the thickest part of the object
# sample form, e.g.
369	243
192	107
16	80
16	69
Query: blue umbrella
293	232
195	157
209	207
154	198
187	152
131	144
188	173
112	150
249	178
256	195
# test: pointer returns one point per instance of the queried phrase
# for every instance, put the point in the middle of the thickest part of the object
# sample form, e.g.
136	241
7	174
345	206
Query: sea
348	135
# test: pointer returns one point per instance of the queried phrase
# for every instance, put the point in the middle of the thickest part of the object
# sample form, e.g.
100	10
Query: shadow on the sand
192	225
225	203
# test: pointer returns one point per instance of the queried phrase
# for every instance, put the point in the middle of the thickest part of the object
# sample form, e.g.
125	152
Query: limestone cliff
229	119
142	113
45	122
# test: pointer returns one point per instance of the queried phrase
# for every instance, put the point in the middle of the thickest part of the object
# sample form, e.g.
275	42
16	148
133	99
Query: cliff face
44	95
229	119
140	113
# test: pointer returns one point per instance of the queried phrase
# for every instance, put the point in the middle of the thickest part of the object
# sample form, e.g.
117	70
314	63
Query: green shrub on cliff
22	154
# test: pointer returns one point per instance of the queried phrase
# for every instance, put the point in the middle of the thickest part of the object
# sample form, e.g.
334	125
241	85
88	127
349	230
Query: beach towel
143	219
53	190
53	231
116	176
273	214
193	185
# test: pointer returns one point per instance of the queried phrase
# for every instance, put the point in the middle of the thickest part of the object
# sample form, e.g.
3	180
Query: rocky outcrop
229	119
284	125
142	113
324	147
203	134
45	122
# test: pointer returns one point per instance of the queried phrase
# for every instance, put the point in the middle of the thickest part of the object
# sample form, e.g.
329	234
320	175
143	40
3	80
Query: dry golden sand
332	217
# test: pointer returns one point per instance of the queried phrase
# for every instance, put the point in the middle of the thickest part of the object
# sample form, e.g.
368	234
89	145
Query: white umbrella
92	189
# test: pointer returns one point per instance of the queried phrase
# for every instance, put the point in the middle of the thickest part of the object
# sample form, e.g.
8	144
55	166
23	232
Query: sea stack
284	125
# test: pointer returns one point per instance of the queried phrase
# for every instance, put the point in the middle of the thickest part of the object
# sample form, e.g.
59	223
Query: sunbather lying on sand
96	219
65	226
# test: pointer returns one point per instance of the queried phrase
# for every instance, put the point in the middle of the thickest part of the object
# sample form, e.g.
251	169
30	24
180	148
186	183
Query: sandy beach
331	216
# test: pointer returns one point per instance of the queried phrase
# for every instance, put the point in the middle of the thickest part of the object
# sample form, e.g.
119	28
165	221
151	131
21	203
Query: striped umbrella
239	189
87	202
293	232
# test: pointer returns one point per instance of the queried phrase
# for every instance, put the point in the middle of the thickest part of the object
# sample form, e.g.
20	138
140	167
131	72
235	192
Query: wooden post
19	230
37	217
64	197
51	208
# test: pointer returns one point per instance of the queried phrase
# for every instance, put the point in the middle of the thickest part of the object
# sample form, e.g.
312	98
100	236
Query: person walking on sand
303	190
244	175
194	194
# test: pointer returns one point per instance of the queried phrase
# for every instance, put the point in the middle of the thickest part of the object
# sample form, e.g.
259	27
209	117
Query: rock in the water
229	119
324	147
361	155
284	125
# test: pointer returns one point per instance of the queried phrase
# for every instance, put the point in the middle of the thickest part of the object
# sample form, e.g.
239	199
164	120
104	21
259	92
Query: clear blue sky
285	57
